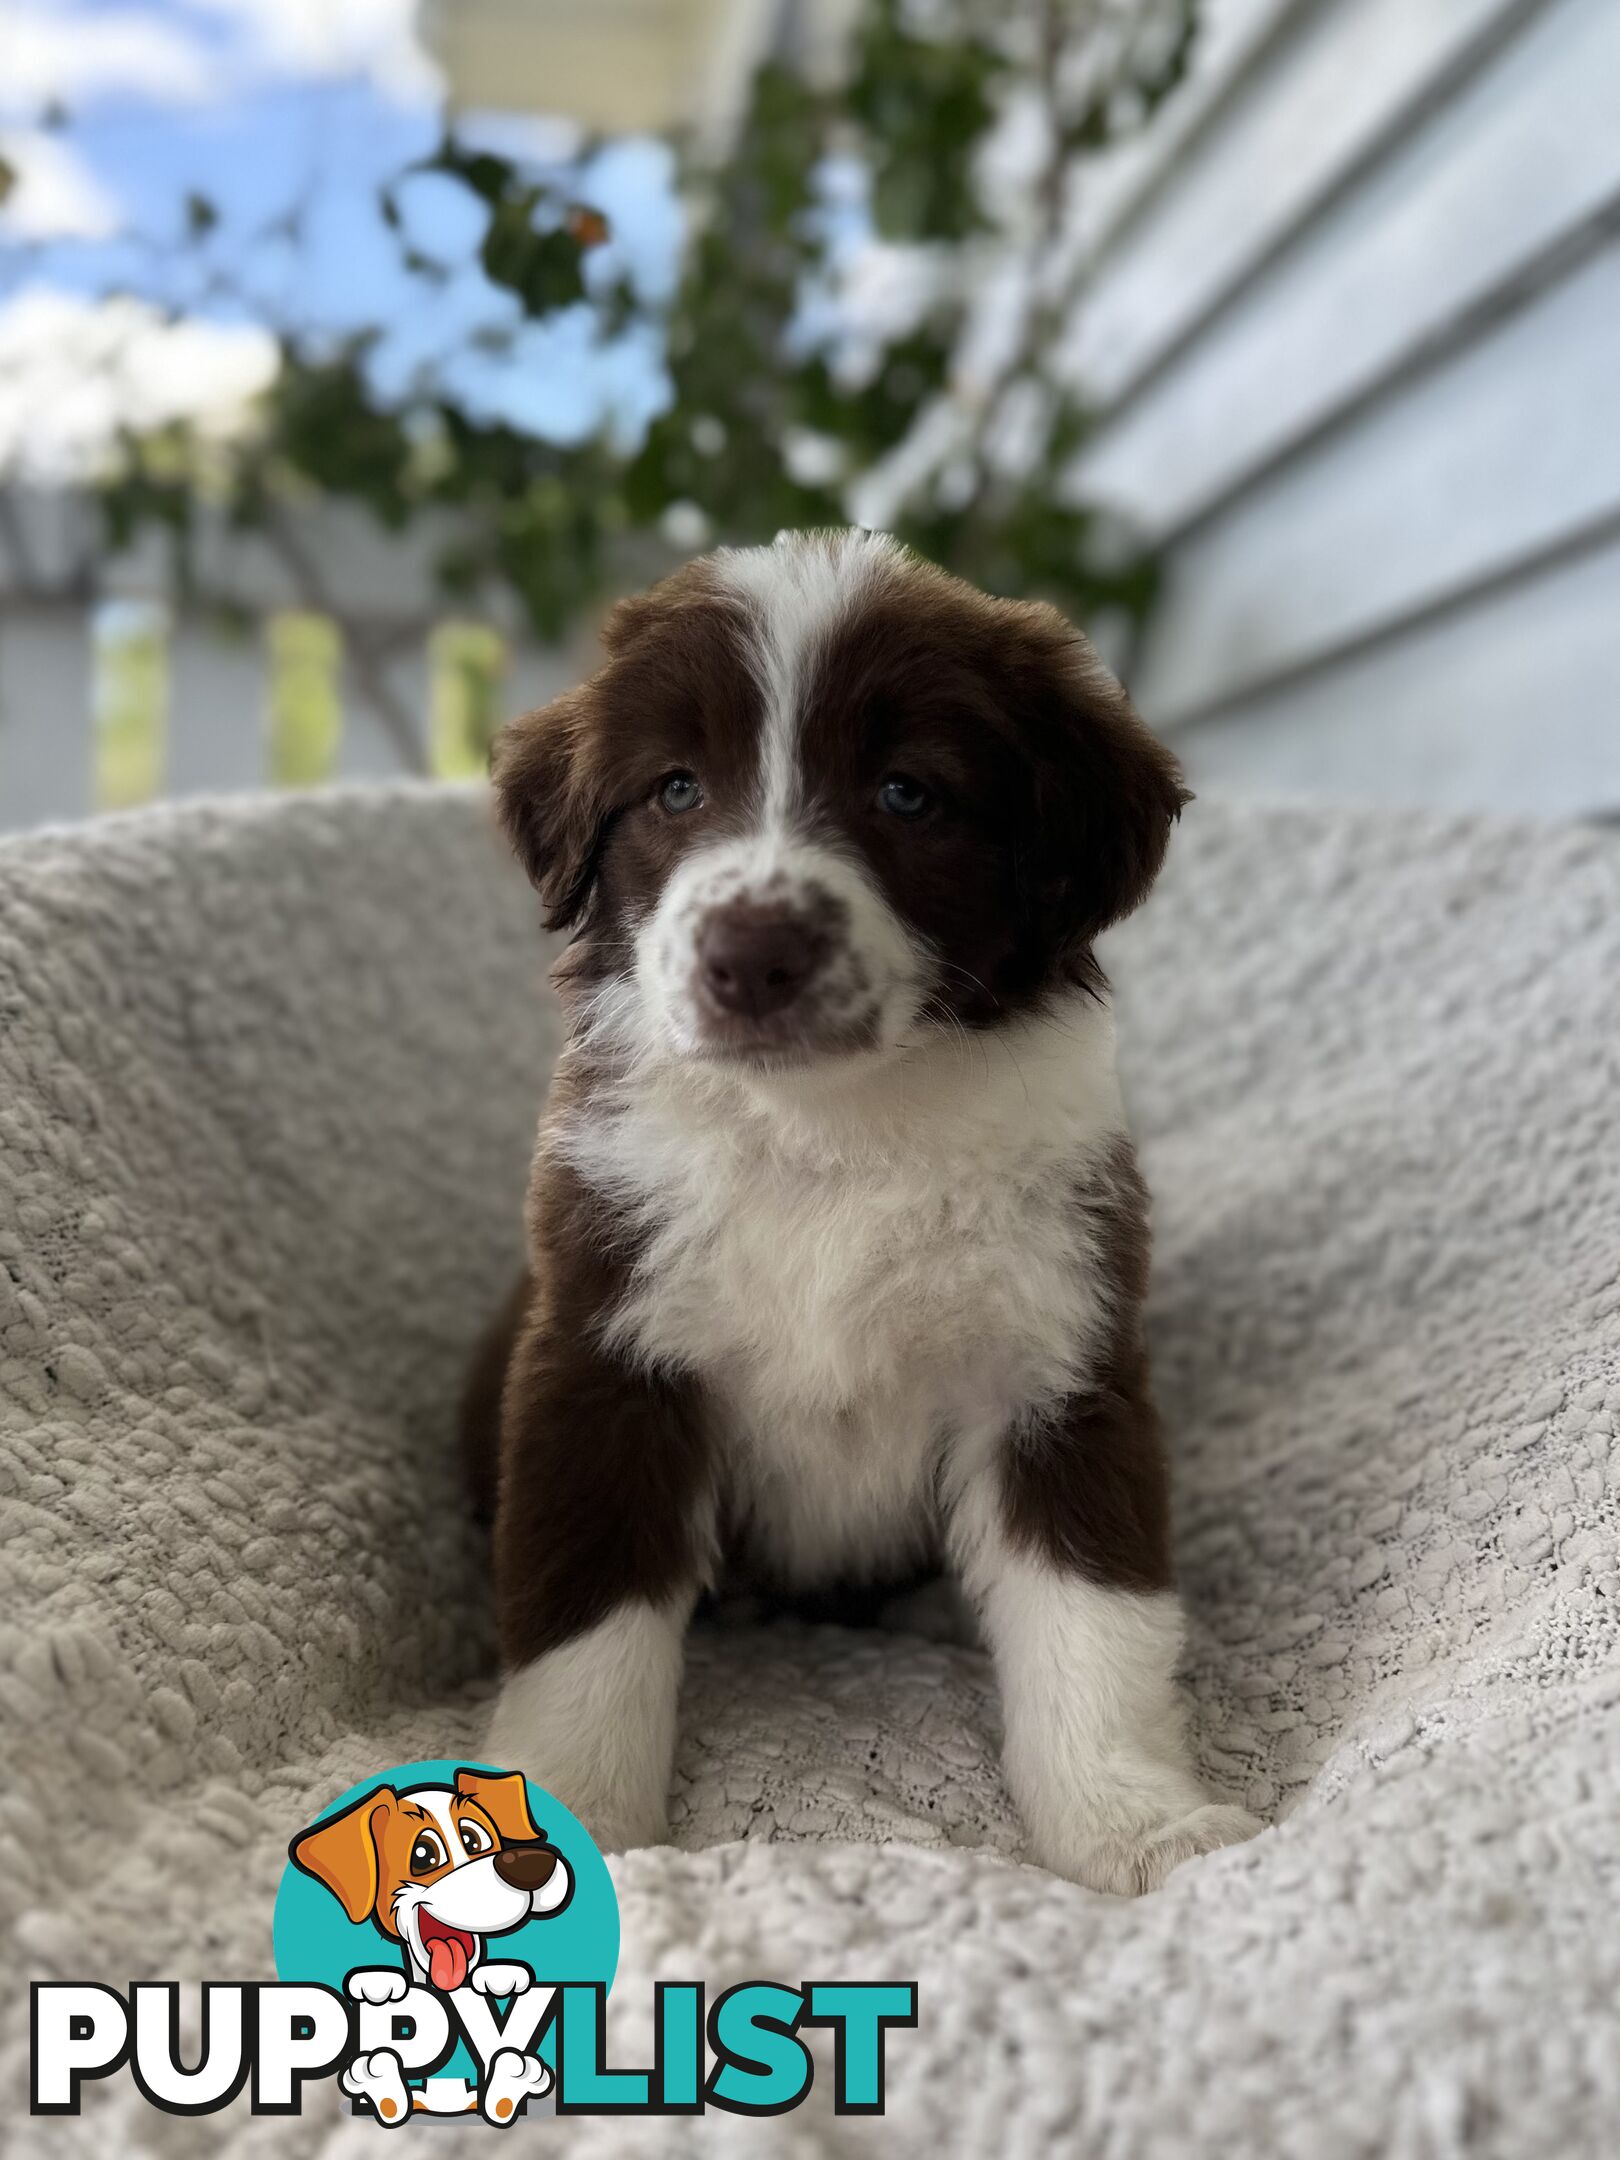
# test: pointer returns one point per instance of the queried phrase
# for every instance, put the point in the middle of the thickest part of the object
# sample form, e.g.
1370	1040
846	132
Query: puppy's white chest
850	1304
846	1325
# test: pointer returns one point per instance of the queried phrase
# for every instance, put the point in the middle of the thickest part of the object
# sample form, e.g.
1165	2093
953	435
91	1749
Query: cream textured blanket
268	1075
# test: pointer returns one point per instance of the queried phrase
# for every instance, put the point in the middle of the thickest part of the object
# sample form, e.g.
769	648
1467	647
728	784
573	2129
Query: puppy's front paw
382	1984
607	1762
616	1821
1129	1860
615	1828
500	1979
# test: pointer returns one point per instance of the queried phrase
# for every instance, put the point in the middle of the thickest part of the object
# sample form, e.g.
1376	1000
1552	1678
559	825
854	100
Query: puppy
838	1246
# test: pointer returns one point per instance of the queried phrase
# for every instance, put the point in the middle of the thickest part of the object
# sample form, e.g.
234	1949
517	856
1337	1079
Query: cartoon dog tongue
447	1961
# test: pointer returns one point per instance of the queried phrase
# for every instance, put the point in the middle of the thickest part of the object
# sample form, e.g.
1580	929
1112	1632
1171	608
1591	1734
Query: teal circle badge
468	1884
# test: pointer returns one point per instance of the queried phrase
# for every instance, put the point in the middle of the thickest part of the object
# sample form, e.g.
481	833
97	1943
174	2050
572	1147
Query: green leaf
925	105
489	176
541	267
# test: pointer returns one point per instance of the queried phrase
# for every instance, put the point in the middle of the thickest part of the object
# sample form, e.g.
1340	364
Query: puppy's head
822	797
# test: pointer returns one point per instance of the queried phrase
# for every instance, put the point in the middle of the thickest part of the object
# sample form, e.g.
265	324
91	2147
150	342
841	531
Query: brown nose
525	1867
755	964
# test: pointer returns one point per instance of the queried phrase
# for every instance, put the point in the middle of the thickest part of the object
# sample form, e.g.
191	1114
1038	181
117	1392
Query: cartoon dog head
439	1867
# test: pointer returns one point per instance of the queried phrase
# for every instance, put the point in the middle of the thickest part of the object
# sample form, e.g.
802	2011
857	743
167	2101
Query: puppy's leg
1060	1538
602	1537
1095	1752
593	1721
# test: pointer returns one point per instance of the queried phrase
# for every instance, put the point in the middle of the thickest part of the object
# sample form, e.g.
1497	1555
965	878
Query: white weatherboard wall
1354	321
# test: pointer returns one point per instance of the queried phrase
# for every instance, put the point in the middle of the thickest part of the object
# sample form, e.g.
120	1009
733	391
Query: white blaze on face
797	594
876	973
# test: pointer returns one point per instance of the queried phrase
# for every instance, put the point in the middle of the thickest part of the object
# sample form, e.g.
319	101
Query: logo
445	1937
431	1901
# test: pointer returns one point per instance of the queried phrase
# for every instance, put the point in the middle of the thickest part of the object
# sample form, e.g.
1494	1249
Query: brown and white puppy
838	1243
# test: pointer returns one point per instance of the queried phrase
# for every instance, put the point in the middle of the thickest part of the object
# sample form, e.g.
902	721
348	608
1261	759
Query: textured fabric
268	1077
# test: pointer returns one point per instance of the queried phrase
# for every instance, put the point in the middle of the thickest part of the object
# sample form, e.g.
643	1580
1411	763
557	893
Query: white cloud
73	371
47	51
376	38
54	195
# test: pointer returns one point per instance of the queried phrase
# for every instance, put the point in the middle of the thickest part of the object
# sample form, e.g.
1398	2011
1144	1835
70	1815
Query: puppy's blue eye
680	792
903	797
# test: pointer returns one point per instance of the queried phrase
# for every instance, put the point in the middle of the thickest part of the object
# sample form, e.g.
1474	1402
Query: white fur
593	1722
875	979
796	594
1095	1750
862	1261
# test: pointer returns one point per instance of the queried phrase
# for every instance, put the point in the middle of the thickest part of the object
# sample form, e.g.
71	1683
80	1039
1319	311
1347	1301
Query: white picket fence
330	655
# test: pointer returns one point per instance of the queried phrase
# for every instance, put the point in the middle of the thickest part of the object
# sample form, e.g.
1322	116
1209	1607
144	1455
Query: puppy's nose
754	963
525	1867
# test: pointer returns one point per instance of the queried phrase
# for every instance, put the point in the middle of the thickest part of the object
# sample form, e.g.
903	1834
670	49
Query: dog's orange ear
342	1851
505	1800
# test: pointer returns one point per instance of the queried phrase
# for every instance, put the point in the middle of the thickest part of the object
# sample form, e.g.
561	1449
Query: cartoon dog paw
501	1979
379	2080
513	2078
385	1984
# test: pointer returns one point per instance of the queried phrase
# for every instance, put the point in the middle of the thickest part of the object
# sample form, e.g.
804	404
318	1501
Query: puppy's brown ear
548	803
1107	791
342	1851
504	1799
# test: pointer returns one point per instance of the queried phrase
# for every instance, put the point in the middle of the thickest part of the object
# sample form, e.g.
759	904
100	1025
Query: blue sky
261	105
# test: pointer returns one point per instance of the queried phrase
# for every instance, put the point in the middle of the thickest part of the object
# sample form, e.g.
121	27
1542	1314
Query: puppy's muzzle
753	962
525	1867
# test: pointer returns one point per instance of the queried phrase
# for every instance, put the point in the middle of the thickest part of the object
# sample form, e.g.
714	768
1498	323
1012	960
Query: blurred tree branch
951	425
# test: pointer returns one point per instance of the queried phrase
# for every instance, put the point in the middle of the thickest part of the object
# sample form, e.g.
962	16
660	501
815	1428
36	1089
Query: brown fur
574	780
1089	1487
480	1418
601	1468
